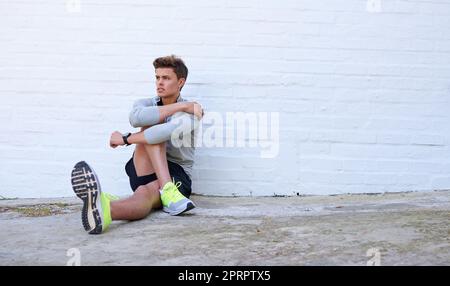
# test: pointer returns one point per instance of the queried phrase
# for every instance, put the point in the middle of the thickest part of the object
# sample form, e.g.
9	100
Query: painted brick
363	97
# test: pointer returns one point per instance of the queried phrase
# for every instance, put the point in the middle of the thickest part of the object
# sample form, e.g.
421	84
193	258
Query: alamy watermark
375	257
73	6
75	257
230	130
373	6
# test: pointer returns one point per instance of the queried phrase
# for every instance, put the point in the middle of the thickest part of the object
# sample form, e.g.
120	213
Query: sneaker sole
86	186
189	206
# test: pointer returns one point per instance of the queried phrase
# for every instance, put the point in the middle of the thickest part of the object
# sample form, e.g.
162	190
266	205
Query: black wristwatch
125	138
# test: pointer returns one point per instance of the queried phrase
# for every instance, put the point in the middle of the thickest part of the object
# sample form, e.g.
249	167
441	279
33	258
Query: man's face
167	83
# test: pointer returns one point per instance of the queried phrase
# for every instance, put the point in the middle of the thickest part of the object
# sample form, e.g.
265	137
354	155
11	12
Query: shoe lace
173	193
177	184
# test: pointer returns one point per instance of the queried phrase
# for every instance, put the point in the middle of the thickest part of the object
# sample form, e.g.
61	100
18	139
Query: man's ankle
164	182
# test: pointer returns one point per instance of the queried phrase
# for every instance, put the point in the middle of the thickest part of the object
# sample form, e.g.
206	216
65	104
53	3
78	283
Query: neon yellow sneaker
173	201
96	213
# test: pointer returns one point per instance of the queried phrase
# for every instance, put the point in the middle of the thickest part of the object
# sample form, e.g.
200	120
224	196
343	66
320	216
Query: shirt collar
160	103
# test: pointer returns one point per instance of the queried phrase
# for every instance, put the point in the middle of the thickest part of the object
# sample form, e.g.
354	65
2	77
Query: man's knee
149	189
153	187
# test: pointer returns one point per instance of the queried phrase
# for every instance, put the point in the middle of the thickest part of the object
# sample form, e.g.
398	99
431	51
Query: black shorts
177	173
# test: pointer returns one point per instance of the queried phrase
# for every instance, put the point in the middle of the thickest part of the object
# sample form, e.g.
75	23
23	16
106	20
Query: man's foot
173	201
95	215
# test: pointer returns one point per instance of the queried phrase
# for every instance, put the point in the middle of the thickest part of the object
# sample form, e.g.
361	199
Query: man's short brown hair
173	62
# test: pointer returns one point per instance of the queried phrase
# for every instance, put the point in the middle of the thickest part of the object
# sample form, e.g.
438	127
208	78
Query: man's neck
170	100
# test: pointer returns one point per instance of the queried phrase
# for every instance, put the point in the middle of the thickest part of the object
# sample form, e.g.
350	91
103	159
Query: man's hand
194	108
116	139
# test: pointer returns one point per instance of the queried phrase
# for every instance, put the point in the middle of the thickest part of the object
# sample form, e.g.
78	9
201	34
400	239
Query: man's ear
181	82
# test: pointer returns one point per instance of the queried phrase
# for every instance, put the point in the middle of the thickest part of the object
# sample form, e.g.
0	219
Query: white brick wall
363	96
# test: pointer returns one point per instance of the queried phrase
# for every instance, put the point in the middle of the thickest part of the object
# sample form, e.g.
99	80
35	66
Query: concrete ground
386	229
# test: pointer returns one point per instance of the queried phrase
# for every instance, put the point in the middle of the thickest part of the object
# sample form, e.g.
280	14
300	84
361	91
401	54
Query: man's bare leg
173	201
157	155
139	205
147	197
154	162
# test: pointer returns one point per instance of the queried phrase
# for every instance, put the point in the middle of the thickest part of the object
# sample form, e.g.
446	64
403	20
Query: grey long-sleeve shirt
178	130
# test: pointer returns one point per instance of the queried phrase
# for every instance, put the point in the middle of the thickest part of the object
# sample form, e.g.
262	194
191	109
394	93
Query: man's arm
117	139
182	123
143	115
170	109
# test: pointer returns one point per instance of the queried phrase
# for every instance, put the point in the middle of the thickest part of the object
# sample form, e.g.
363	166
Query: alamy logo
75	257
73	6
234	130
375	255
373	6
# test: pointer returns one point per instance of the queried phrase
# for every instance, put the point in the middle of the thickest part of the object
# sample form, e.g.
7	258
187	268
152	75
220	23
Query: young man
159	171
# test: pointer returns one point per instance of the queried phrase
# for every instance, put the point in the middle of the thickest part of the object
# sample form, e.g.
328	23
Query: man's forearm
143	115
170	109
137	138
164	112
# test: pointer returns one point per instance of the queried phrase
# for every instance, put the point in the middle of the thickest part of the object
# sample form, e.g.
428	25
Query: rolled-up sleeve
181	123
144	114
